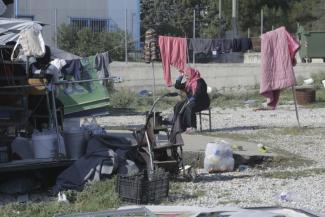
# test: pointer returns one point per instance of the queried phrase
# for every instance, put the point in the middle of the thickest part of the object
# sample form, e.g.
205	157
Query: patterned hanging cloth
150	47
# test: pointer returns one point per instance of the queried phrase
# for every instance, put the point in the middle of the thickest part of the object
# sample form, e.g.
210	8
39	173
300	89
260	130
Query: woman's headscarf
193	76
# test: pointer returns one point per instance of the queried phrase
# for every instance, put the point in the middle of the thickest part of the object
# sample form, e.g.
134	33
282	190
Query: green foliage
318	77
102	194
67	37
170	17
123	98
95	197
85	42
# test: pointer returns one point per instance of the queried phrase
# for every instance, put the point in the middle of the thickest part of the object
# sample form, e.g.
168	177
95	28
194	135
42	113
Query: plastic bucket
305	95
75	142
21	146
44	144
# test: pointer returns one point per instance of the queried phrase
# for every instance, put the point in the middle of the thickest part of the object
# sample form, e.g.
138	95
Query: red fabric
193	76
173	51
278	49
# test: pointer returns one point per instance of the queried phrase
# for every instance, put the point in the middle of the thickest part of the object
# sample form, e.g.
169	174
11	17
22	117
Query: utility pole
56	26
262	20
193	34
234	19
220	8
126	35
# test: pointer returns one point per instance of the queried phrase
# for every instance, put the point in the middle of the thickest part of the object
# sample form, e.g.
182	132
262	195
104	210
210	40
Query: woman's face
186	76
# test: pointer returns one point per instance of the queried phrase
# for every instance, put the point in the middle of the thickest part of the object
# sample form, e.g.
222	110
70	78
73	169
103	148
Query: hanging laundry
256	44
150	46
31	42
200	45
58	63
102	61
74	68
278	51
222	45
245	44
173	51
241	44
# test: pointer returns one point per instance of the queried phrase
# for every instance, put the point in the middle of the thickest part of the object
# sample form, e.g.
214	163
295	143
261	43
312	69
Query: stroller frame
167	155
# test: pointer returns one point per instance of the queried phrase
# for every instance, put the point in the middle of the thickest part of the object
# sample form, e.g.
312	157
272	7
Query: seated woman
197	98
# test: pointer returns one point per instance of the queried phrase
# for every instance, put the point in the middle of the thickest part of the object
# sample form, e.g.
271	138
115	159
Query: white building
99	15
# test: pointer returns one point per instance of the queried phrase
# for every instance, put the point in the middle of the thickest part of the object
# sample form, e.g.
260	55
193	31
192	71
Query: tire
303	60
309	60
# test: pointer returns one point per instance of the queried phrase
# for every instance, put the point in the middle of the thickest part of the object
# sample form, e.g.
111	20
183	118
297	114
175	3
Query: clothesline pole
154	91
193	35
295	101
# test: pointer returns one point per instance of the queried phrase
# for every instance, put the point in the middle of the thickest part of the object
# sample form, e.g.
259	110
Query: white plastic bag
218	157
93	127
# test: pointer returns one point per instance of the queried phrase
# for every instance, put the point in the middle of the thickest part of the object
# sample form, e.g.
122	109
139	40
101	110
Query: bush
123	98
86	42
318	77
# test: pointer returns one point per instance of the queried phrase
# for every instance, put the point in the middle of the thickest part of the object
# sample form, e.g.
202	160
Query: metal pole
55	117
126	36
56	26
234	8
154	93
262	21
16	8
194	35
248	33
295	101
220	8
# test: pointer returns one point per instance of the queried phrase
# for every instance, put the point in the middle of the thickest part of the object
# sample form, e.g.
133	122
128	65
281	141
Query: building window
25	17
95	24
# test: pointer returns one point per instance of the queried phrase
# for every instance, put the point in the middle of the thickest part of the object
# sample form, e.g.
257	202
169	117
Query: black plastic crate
143	188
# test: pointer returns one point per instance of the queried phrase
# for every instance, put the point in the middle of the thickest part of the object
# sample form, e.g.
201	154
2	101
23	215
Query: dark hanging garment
199	45
227	45
245	44
102	61
236	45
222	45
74	68
242	45
150	46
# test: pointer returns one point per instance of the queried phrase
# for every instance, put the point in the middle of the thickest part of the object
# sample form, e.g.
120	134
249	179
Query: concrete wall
139	75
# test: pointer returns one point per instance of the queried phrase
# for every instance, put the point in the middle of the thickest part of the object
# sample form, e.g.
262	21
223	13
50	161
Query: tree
86	42
175	17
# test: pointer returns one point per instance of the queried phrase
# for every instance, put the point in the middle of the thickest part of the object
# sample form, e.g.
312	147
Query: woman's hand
181	72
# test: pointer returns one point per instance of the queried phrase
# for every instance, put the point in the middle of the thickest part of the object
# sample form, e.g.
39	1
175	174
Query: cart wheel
309	60
303	60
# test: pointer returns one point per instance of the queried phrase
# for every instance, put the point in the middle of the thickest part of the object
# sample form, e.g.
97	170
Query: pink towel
173	51
278	51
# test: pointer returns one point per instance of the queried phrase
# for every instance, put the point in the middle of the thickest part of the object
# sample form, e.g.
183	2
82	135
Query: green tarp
84	96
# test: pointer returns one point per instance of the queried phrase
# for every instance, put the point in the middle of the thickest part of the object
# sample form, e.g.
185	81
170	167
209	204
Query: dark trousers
188	117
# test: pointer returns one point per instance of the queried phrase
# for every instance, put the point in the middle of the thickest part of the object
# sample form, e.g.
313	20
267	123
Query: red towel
278	51
173	51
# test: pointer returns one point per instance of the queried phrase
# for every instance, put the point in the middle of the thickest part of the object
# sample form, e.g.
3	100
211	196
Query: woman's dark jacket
200	97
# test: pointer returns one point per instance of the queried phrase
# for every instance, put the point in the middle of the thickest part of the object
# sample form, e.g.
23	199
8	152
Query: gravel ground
277	129
260	186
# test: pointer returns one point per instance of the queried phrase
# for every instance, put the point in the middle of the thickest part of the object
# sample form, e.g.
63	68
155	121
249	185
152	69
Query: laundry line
55	83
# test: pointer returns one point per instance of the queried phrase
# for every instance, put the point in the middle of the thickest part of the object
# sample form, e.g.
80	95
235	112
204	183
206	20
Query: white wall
237	75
